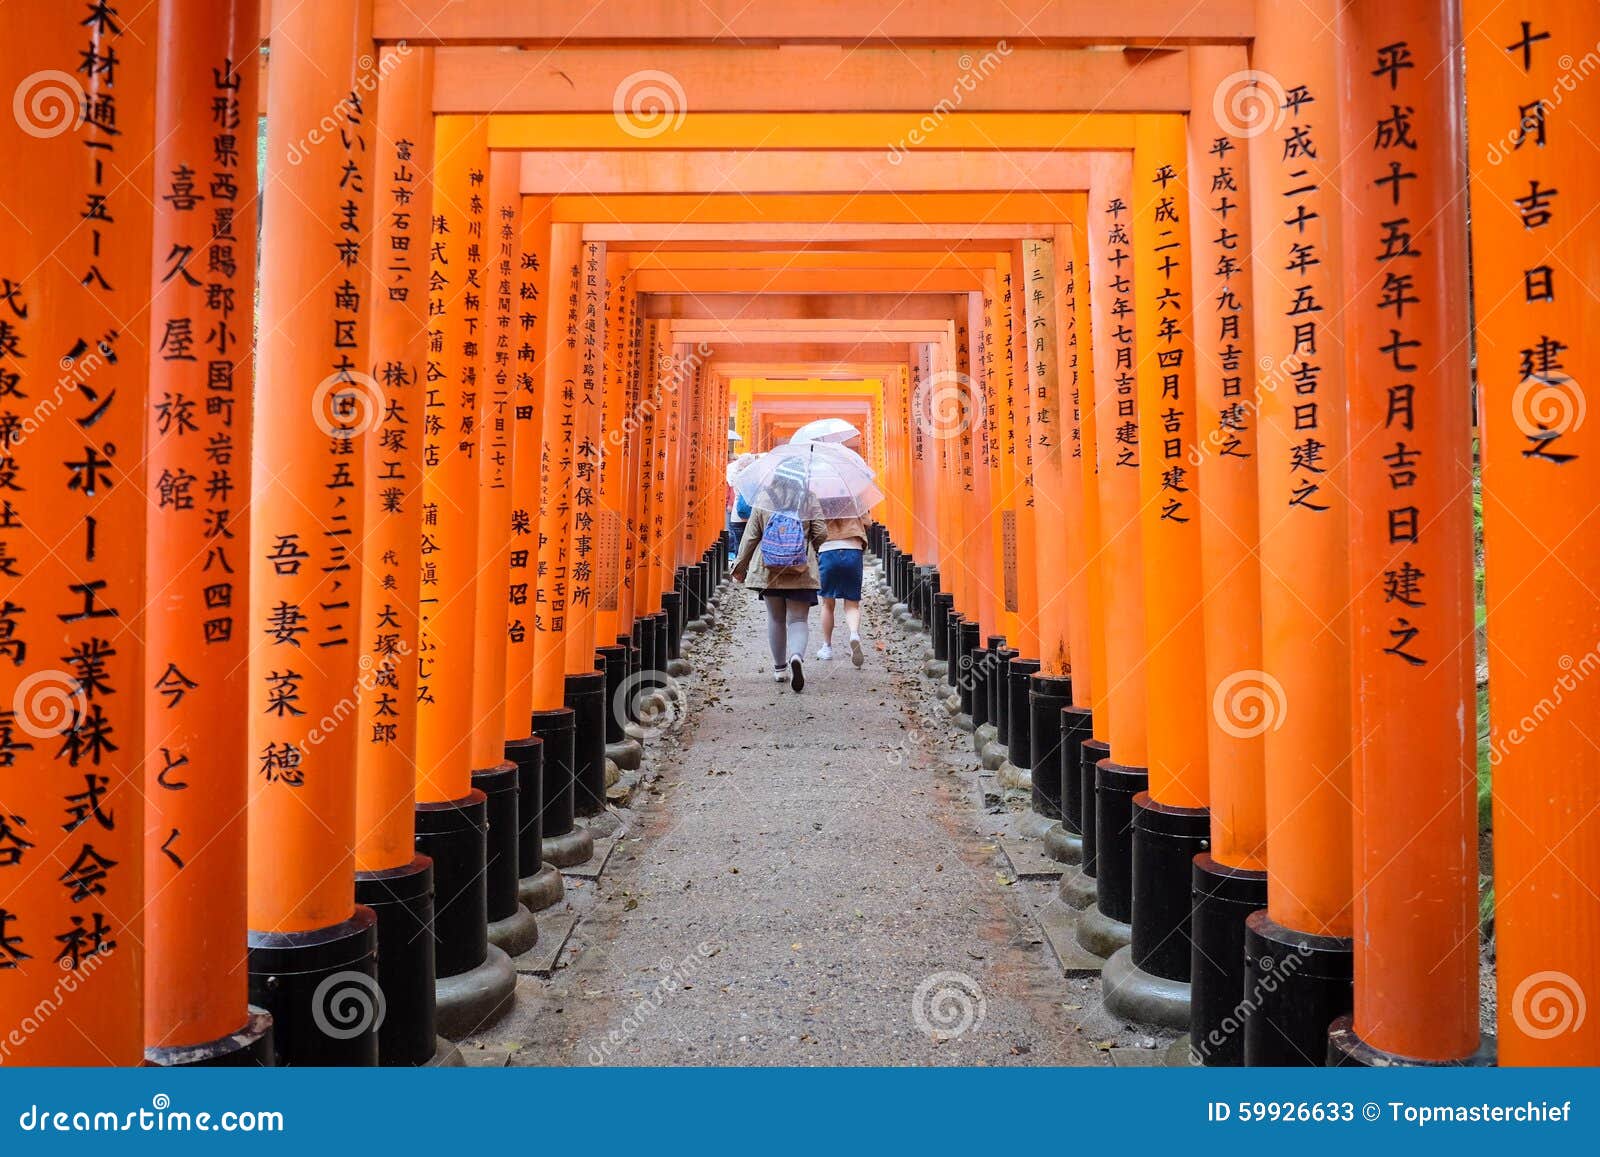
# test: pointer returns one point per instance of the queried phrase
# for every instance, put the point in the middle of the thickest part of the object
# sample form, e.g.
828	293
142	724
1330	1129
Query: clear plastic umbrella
738	464
811	480
825	430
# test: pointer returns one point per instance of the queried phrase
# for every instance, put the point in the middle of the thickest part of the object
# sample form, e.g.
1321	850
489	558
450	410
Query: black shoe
797	674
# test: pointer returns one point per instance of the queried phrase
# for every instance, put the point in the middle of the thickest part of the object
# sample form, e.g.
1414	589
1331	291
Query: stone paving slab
1060	924
1028	860
555	929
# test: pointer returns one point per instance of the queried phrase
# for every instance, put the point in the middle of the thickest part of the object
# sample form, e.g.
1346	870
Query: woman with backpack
778	559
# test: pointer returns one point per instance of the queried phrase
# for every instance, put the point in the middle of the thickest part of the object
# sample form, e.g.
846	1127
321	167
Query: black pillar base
1346	1050
1148	982
248	1047
953	623
615	658
1166	839
1076	725
528	755
402	900
976	700
1000	695
970	647
1115	786
512	927
644	641
554	729
1019	746
665	649
321	989
1223	898
672	608
1296	985
586	696
1047	695
939	624
455	835
1095	752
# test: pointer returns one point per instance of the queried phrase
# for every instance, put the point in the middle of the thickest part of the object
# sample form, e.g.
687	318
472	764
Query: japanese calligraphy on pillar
398	311
1398	360
198	457
1304	195
454	417
1532	112
532	286
1118	288
586	441
1164	320
73	391
1226	352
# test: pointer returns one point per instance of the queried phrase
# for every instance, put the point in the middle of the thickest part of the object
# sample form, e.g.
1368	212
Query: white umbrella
825	430
810	479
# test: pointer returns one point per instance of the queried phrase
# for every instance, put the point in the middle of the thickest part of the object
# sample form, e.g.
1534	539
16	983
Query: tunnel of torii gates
323	644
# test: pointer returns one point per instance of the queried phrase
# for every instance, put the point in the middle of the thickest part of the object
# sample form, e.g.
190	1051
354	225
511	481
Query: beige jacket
787	578
848	529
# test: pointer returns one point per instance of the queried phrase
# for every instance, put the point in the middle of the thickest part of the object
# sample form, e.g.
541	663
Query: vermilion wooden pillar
453	806
1041	372
1104	926
502	756
1230	879
585	687
541	884
73	282
1001	409
1416	850
1011	273
1303	685
1149	980
531	353
1050	688
392	877
982	541
562	843
201	388
1533	184
306	516
1075	378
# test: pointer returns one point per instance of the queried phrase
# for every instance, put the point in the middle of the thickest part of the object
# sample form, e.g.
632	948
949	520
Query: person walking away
778	559
840	560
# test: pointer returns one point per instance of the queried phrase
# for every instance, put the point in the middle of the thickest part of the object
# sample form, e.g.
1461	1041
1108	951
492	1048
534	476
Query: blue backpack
783	542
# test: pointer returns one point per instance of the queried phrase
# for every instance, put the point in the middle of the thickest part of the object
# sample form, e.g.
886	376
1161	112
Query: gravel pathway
805	882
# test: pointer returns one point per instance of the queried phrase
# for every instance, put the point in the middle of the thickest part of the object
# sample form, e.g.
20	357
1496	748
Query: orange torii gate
1268	511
